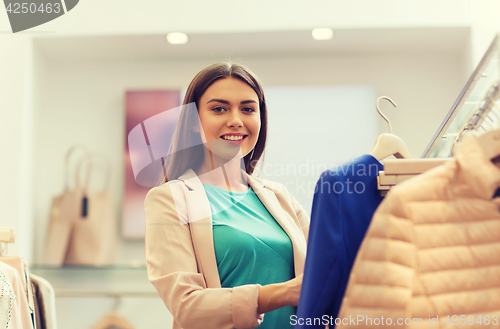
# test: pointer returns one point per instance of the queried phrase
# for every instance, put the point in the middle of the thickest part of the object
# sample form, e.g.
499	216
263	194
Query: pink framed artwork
151	117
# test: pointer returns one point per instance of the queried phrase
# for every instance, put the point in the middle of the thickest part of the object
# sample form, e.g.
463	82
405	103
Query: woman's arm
173	270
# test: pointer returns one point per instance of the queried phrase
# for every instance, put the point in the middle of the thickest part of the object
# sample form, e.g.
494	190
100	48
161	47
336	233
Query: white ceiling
349	42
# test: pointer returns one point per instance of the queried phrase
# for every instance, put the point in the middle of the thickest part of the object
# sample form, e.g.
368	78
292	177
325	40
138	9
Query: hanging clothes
7	298
17	263
38	318
21	316
344	202
432	250
46	298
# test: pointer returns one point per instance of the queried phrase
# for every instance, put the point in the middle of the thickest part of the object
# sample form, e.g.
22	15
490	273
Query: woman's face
230	117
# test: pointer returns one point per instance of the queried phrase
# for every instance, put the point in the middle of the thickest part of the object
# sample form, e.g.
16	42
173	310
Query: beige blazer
181	259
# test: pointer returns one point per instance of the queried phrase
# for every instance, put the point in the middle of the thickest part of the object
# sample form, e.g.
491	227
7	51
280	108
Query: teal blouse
250	246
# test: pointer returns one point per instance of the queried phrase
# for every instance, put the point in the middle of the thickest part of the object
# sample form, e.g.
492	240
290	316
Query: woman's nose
235	120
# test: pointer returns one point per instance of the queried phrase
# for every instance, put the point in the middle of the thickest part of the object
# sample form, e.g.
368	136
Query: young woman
224	249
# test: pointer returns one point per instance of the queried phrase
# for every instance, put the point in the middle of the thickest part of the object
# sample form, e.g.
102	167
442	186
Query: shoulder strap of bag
91	161
69	154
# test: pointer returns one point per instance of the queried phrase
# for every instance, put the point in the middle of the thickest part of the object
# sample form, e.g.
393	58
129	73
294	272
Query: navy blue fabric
344	202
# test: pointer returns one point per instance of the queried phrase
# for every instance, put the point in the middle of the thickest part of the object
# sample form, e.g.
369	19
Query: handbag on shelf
82	227
63	212
93	235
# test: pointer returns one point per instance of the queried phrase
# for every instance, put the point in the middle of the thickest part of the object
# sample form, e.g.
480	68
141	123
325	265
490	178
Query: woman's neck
223	173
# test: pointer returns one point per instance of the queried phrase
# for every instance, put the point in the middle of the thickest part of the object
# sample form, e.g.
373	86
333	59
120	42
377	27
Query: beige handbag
64	212
93	235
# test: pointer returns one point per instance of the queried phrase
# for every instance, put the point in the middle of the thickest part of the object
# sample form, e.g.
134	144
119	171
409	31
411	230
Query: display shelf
108	281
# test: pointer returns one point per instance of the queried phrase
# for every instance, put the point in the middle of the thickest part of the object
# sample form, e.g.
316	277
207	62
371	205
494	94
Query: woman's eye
248	109
219	109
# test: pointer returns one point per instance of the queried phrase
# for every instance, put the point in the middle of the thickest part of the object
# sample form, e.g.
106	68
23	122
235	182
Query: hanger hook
383	116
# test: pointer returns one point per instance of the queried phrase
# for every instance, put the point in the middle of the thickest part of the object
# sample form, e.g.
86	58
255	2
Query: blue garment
344	202
250	246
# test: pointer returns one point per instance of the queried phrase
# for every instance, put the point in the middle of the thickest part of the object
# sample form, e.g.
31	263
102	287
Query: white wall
15	140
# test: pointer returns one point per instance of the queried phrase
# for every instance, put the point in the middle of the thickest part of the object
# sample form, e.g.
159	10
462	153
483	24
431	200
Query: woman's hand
293	292
276	295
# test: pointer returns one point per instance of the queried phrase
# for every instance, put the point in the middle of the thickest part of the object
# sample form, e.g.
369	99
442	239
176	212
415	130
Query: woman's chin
228	156
225	150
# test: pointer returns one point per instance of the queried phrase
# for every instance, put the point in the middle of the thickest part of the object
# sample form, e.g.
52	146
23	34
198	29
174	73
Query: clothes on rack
432	249
46	298
25	303
20	315
7	298
17	263
344	201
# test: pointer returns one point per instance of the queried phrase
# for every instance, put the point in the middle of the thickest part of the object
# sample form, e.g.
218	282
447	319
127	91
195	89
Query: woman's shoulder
165	191
166	203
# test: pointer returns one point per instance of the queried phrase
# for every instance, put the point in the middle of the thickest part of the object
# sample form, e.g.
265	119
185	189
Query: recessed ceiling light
177	38
322	33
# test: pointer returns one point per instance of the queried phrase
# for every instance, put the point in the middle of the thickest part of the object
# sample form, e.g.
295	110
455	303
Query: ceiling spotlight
322	33
177	38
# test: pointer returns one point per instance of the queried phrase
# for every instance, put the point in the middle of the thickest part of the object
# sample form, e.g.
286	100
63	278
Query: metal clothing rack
477	119
397	171
486	73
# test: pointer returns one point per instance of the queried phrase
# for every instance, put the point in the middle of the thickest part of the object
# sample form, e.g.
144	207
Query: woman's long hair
186	150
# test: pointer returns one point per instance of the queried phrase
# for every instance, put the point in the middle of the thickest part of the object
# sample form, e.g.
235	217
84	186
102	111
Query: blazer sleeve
173	270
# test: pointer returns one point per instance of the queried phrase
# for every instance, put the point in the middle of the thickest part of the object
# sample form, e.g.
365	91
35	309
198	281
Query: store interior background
68	78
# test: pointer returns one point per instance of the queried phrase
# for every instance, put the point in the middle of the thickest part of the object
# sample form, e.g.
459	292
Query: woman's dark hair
186	149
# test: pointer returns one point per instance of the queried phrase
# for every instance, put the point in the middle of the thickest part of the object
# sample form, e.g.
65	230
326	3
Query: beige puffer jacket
432	251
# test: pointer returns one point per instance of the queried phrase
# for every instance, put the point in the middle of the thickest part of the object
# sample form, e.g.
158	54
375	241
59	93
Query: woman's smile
234	138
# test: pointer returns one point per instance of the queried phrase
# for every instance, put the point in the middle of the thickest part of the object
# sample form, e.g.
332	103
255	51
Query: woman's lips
234	142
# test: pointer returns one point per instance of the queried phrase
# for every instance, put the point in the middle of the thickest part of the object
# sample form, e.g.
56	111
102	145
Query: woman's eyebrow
218	100
223	101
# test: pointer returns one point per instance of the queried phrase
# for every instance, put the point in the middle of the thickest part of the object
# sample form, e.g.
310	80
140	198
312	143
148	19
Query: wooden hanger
389	144
113	319
6	236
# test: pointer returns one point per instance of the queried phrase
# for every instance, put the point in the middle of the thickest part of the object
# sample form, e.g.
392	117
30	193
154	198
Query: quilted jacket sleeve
172	269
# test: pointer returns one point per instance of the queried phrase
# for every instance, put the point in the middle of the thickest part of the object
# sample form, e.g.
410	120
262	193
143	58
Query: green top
250	246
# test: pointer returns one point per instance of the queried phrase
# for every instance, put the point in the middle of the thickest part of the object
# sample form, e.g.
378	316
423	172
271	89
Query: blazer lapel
200	225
